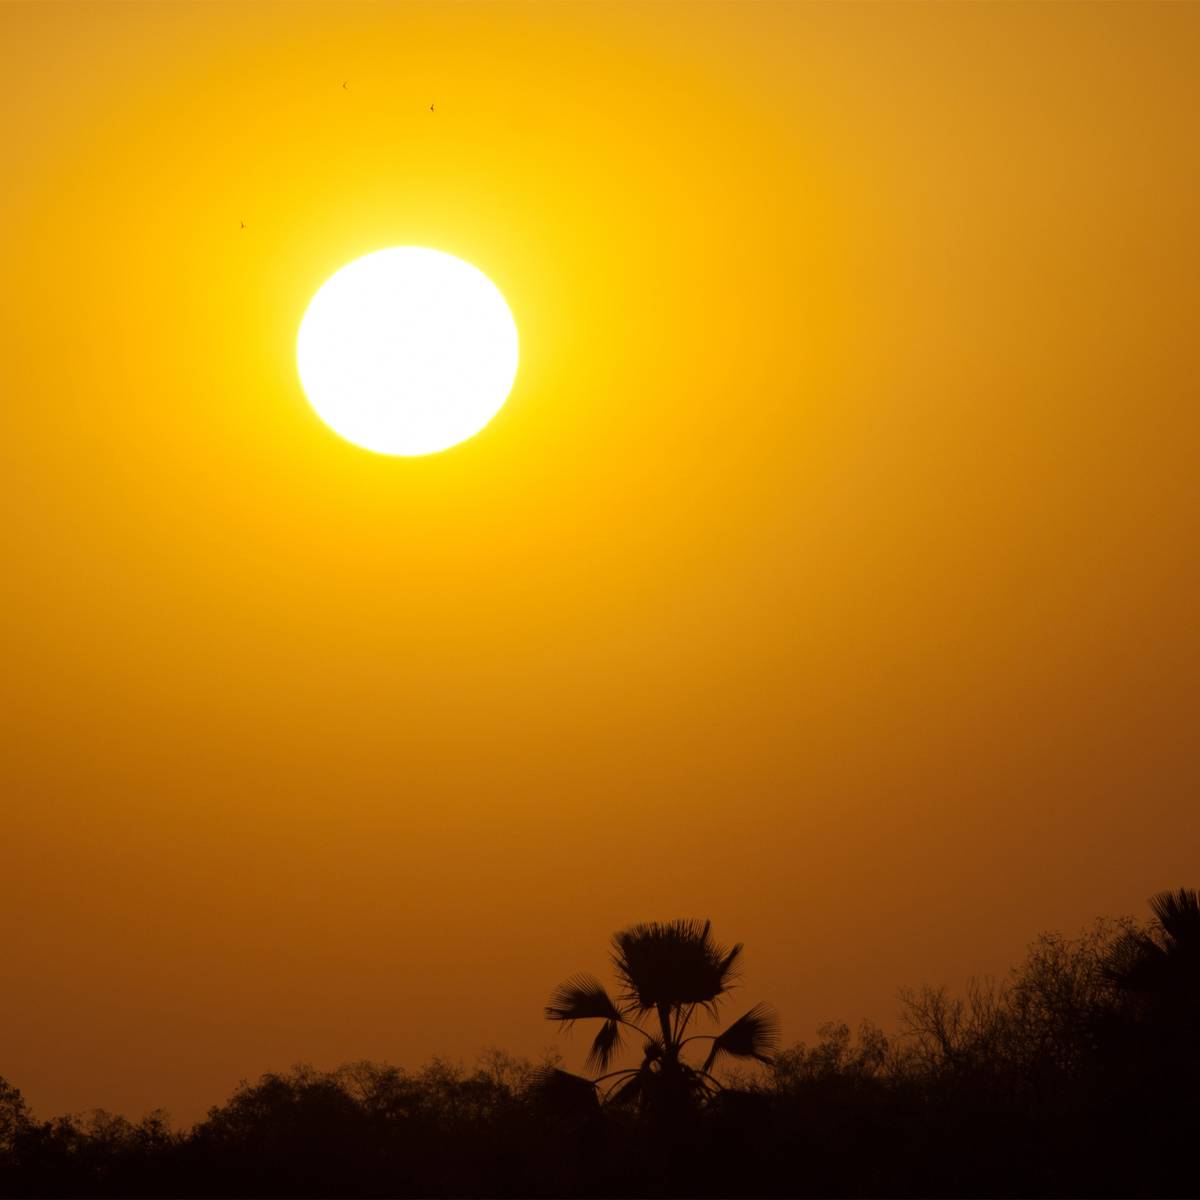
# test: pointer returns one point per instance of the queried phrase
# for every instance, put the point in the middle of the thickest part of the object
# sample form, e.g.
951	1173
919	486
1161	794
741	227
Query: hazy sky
831	571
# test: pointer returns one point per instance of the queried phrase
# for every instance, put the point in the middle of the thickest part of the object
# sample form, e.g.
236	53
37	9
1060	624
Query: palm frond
1178	912
562	1092
1135	962
672	963
753	1035
580	998
630	1091
605	1046
653	1049
729	966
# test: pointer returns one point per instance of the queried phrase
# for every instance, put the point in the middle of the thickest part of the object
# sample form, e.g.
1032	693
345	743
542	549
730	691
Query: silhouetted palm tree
666	972
1162	962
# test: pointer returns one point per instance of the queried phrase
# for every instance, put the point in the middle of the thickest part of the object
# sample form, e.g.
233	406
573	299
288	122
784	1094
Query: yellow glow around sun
407	351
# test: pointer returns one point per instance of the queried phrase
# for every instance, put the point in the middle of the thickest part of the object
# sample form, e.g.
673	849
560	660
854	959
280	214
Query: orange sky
831	571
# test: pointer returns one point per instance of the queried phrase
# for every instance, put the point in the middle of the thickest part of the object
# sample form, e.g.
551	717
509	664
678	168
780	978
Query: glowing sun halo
407	351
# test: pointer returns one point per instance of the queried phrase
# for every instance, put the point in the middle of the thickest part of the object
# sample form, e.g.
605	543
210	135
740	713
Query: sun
407	351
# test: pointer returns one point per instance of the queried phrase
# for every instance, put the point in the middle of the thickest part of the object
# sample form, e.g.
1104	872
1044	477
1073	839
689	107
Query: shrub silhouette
14	1120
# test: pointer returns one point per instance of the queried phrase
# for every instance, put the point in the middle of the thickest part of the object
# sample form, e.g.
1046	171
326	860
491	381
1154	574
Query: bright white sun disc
407	351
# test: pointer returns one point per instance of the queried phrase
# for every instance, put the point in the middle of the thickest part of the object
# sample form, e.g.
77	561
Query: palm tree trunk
670	1050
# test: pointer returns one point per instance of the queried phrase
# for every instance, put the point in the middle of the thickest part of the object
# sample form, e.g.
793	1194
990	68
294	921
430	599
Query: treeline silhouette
1077	1075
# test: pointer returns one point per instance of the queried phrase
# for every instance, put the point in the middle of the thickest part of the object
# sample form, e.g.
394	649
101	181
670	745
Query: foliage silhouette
1076	1075
1162	961
666	972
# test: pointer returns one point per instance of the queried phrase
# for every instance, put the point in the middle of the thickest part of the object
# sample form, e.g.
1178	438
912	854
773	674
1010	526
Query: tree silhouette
1156	1042
1163	962
14	1118
666	972
1077	1075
